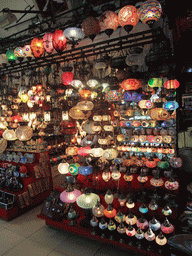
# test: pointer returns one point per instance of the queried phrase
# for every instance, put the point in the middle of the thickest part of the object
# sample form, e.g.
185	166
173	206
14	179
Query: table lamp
87	201
69	196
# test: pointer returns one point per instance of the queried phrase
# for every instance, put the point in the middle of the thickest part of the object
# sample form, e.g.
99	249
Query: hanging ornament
91	27
37	47
128	17
59	41
131	84
67	78
150	12
47	42
108	22
171	84
167	227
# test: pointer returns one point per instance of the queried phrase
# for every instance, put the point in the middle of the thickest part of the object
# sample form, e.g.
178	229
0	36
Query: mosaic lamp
108	22
87	201
37	47
59	41
128	17
150	12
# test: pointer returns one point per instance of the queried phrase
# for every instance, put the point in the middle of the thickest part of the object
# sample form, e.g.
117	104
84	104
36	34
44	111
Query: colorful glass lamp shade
87	200
139	234
73	168
161	239
175	162
131	84
171	84
142	223
110	212
155	82
85	170
18	52
63	168
128	17
91	27
171	184
154	224
59	41
37	47
167	227
109	197
150	12
10	55
149	235
47	42
130	231
73	34
70	195
131	219
67	78
98	210
108	22
85	105
170	105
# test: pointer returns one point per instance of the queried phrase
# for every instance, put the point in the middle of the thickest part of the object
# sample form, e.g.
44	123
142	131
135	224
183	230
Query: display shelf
143	248
36	186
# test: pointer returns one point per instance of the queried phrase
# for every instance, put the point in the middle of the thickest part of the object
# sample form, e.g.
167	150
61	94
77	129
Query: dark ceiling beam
6	10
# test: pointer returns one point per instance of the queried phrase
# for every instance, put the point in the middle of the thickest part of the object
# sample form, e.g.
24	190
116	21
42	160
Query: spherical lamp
171	84
73	34
47	42
59	41
91	27
128	17
98	210
108	22
150	12
131	84
110	212
37	47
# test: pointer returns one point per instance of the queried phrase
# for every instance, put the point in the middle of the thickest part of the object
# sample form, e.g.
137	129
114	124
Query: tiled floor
27	235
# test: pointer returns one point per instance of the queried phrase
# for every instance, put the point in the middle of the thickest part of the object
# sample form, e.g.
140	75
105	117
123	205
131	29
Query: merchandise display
98	115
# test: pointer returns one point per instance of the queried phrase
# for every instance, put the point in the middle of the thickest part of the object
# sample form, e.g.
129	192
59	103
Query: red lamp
59	40
47	42
128	17
37	47
108	22
91	27
110	212
171	84
67	78
131	84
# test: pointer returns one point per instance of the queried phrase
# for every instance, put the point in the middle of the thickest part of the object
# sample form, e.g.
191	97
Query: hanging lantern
131	219
149	235
106	175
171	184
167	227
90	27
175	162
108	22
128	17
37	47
110	154
73	34
85	170
109	197
98	210
27	52
63	168
150	12
67	78
18	52
154	224
85	105
47	42
110	212
24	98
161	239
76	113
171	84
10	56
170	105
59	40
24	133
145	104
71	151
77	84
131	84
130	231
92	83
159	114
84	93
155	82
73	168
113	95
